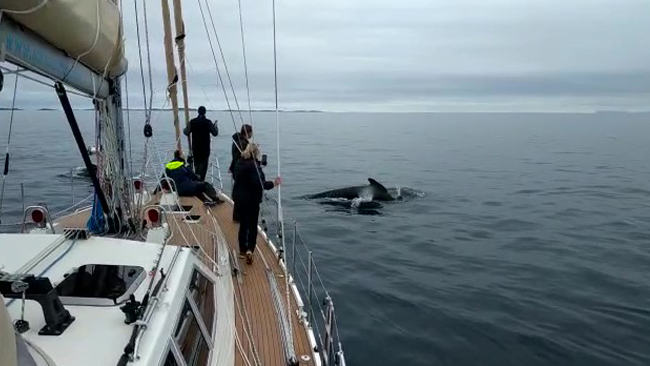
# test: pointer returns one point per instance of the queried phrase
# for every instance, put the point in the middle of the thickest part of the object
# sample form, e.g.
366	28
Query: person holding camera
250	183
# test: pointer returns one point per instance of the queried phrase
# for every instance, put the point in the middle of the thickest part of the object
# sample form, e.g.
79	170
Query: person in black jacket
187	183
250	184
239	143
200	129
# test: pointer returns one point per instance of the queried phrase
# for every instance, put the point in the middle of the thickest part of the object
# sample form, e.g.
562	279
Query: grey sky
420	55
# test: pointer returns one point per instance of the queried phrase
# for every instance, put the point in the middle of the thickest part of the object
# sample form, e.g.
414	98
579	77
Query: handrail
47	222
163	213
162	220
167	180
152	299
318	309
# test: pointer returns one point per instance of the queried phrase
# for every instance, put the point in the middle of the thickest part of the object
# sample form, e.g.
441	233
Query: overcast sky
409	55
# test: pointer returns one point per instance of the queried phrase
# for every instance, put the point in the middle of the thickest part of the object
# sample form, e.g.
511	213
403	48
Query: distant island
235	110
611	111
209	110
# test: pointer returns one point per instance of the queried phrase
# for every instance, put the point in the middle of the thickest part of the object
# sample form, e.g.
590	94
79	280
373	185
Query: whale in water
374	191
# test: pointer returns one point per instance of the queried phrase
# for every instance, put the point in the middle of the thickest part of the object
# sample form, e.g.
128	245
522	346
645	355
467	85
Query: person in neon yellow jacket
187	183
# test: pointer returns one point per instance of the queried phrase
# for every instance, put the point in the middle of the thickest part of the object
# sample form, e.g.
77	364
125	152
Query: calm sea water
530	245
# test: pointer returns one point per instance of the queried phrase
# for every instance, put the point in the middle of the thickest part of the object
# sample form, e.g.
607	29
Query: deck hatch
100	284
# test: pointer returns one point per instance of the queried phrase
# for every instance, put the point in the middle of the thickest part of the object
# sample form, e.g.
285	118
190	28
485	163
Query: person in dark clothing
187	183
200	129
250	184
240	141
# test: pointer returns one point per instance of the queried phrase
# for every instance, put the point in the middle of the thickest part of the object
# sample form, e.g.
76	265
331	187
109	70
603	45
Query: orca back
380	193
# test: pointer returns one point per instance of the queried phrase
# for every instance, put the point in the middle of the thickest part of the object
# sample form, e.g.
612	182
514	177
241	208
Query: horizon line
262	110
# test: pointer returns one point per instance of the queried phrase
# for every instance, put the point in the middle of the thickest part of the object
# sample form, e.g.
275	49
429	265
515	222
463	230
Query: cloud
412	54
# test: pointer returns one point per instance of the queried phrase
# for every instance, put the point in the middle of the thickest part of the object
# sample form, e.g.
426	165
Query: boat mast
180	45
172	77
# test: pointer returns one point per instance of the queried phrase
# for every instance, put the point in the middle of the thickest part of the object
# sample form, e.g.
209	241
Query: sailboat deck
257	323
78	219
254	293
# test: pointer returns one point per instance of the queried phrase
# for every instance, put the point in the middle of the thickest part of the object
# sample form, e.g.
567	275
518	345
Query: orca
374	191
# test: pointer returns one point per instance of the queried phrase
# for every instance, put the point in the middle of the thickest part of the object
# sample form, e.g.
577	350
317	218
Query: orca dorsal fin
376	184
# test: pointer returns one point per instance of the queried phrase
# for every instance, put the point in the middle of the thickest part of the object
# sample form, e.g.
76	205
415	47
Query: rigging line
142	79
128	125
11	123
128	110
40	256
146	33
216	152
26	11
212	105
65	253
205	94
55	215
277	129
213	108
239	304
164	90
146	158
119	196
167	86
243	49
11	118
216	64
147	111
105	72
92	47
240	348
235	142
223	58
219	177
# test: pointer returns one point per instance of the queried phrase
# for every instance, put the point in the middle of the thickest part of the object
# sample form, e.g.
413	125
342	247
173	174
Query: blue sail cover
95	222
